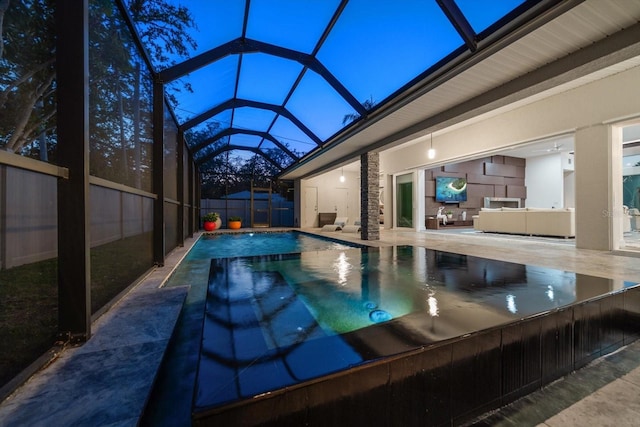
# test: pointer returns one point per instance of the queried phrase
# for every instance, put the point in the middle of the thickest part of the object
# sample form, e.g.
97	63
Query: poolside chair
355	228
337	224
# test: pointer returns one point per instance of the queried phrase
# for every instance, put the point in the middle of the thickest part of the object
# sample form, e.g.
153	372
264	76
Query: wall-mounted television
451	189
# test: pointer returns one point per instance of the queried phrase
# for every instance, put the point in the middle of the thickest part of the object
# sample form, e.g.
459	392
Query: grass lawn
29	298
28	315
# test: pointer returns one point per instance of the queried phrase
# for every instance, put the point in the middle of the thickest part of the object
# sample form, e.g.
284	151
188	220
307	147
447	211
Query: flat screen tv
450	189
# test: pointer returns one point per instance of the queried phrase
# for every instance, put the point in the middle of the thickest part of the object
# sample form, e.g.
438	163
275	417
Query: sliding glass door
404	200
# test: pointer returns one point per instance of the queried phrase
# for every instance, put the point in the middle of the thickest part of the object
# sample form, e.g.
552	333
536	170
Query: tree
231	171
367	104
27	72
121	85
27	69
4	5
163	29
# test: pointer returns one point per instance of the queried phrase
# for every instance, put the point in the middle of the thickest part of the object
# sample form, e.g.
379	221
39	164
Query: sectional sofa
530	221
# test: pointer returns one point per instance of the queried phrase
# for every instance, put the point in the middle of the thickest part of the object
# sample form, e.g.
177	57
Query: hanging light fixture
342	175
431	153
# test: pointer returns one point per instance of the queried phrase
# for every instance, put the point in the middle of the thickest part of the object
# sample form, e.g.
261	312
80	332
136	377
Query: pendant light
431	153
342	175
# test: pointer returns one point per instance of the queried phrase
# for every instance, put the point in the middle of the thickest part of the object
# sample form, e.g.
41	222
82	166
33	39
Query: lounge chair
337	224
355	228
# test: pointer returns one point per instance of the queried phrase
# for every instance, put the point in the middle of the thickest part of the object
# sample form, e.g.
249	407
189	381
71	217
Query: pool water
261	243
272	321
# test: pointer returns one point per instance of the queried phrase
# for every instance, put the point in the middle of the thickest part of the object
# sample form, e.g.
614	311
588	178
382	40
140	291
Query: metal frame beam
198	191
459	22
243	45
534	17
191	190
233	131
238	103
72	85
158	173
131	26
237	147
180	187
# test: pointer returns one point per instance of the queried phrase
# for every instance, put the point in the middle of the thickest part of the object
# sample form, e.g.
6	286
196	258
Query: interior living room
537	153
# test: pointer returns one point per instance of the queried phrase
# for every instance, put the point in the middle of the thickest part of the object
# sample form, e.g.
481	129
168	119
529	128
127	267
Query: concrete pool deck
108	380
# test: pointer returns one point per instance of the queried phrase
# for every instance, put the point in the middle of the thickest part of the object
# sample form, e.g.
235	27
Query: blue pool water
261	243
272	321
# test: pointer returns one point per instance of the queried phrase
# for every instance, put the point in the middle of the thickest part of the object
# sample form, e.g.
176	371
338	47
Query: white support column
595	204
419	201
615	188
297	206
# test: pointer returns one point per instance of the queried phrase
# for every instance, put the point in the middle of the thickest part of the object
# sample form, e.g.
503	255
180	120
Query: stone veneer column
370	196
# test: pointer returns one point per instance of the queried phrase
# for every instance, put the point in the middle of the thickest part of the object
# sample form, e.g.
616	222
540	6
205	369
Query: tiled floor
107	381
632	240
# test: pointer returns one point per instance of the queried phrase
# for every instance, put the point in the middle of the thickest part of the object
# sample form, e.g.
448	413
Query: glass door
404	200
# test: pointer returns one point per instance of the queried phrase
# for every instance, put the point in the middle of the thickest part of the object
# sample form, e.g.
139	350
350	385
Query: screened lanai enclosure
120	118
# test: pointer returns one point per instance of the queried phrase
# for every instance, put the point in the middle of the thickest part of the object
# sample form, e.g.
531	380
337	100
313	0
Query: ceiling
312	85
552	145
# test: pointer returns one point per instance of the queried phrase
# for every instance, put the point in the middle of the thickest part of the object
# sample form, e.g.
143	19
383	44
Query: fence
281	213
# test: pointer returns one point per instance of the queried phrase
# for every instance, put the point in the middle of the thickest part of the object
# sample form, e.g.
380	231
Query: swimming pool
429	357
279	320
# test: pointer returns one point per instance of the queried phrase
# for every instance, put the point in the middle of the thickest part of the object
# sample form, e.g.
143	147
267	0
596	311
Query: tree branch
28	134
4	95
17	139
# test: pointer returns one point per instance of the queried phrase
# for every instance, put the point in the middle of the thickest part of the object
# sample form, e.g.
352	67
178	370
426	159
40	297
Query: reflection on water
275	320
432	302
511	304
342	266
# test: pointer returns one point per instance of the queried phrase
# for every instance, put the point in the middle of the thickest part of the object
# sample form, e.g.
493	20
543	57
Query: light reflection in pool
342	266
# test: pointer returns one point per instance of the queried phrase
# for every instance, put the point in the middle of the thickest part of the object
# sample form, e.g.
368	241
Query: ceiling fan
556	147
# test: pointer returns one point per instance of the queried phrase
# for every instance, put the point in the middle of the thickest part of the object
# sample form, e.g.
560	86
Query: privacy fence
276	212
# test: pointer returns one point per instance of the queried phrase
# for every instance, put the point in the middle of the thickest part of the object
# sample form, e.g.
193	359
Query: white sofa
531	221
635	219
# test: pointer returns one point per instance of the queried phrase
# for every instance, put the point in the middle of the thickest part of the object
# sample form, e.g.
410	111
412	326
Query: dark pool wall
455	381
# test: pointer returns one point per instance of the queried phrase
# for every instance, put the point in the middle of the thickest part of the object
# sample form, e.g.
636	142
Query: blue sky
374	48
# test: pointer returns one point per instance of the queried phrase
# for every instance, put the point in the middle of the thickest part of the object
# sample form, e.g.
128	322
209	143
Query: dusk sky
375	47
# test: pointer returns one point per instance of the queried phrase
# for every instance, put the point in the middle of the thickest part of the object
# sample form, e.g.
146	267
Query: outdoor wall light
431	153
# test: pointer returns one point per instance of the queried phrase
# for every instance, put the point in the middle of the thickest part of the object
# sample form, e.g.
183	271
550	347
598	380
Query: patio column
596	208
197	202
158	173
191	196
72	69
181	193
370	196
